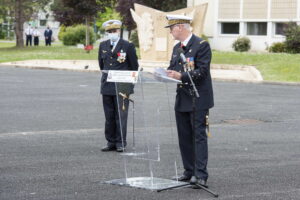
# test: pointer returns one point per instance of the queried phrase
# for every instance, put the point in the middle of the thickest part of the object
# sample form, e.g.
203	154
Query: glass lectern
148	129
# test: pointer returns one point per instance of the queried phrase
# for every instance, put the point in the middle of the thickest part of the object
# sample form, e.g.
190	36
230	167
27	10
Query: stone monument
156	42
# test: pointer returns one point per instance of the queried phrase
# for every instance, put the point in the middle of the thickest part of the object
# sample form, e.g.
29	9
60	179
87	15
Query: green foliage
292	33
2	34
76	35
71	12
123	7
204	37
62	31
277	47
241	44
134	38
110	13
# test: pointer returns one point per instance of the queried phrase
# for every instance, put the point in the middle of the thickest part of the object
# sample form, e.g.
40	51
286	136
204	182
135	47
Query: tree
67	16
85	8
123	7
110	13
70	12
21	11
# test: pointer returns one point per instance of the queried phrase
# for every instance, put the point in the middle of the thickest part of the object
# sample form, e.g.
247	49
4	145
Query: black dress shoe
108	148
120	149
183	178
200	182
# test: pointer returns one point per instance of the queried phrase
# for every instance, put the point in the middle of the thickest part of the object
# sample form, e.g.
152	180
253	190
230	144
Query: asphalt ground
51	133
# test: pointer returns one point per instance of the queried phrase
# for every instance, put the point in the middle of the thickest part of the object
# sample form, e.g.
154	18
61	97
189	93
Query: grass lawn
274	67
8	52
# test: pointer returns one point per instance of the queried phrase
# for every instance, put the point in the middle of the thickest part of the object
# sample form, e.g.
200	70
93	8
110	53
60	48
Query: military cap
112	24
177	19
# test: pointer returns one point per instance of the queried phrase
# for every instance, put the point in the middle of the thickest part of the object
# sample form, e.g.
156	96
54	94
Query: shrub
292	33
241	44
76	35
134	38
278	47
61	33
2	34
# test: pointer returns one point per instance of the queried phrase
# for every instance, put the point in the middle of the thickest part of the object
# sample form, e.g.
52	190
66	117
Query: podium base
148	183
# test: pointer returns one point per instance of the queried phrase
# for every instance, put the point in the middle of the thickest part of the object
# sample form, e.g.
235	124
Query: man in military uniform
198	57
115	54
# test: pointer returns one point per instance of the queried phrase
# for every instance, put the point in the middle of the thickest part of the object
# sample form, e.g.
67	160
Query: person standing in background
28	33
48	36
36	37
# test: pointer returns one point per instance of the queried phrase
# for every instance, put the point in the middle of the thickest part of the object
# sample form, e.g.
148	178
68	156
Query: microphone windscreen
180	50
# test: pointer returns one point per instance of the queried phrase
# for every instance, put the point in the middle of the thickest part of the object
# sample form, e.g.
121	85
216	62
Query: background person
28	34
48	36
36	37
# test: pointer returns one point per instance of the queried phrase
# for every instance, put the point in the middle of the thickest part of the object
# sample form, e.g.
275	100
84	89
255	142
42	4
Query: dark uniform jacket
48	33
199	52
109	60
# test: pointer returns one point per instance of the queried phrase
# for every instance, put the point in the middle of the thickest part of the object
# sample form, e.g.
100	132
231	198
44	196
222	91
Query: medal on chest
121	56
190	63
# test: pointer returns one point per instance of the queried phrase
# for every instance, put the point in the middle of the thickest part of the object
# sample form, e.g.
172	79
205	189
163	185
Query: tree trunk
87	33
19	17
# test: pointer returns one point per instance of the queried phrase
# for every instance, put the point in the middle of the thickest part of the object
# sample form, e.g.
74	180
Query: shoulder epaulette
202	41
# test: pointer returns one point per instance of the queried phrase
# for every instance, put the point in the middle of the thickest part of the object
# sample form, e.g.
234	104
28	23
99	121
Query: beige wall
284	9
229	9
210	15
258	9
255	9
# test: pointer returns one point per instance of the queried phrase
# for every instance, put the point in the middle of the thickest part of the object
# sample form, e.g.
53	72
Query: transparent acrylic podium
152	156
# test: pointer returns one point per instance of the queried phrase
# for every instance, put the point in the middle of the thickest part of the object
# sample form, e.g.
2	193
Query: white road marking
76	131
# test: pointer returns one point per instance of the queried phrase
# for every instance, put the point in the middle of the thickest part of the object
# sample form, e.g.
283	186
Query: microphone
182	56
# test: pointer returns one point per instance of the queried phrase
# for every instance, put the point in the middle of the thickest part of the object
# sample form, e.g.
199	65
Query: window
230	28
43	22
257	28
279	28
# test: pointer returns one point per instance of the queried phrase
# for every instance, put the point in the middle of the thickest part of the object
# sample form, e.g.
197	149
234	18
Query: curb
148	69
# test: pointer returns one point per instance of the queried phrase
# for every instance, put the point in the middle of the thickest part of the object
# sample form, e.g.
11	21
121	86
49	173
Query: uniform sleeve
132	58
100	60
172	64
202	64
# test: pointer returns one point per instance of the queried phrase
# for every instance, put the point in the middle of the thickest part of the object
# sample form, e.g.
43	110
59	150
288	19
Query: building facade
262	21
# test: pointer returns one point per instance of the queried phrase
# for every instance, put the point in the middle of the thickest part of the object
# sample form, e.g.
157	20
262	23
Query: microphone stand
194	93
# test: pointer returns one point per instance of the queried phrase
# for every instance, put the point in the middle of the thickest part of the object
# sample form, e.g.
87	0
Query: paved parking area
51	133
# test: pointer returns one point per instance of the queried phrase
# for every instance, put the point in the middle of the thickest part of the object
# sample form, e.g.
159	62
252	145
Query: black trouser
184	121
48	41
28	40
36	41
113	134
